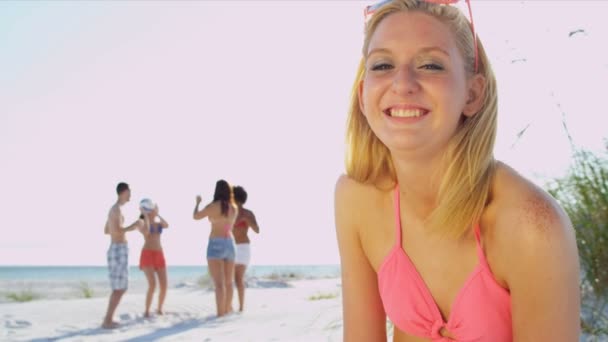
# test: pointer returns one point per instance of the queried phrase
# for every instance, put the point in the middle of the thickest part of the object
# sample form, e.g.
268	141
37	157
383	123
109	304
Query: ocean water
65	282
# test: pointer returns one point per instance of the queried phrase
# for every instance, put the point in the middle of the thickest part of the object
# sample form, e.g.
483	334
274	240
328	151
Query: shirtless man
118	253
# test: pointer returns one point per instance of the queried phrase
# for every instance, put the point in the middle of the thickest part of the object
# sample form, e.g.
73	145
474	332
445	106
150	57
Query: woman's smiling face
415	84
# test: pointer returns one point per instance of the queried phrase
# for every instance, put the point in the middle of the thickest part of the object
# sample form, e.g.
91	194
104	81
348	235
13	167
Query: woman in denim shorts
222	213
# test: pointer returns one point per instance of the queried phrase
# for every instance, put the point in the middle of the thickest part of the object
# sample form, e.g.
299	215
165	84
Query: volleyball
146	204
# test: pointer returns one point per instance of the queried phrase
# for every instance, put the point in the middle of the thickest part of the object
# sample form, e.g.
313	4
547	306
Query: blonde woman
436	235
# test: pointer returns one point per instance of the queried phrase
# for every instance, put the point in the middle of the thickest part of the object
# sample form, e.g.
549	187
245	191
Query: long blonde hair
468	165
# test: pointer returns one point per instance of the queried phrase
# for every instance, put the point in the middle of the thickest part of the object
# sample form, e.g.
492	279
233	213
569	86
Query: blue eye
382	66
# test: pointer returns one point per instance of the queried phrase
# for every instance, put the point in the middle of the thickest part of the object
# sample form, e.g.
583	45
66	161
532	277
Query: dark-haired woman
152	259
245	220
222	213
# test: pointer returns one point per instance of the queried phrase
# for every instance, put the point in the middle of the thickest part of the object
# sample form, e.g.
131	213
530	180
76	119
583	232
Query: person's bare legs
216	269
229	283
239	278
162	281
149	271
115	297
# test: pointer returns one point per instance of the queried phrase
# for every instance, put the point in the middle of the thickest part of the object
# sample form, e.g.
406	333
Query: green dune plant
583	193
205	282
85	289
22	296
322	296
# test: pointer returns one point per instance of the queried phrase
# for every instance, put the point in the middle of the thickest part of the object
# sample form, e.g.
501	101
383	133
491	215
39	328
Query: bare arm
114	223
201	214
252	222
163	223
364	316
144	227
543	276
135	225
198	202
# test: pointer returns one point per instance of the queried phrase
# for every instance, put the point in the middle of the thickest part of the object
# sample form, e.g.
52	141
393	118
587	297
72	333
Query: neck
418	181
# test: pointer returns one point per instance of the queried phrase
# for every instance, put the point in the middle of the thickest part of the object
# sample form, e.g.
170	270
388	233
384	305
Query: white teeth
406	113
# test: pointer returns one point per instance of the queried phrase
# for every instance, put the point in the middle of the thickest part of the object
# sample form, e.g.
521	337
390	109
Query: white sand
272	313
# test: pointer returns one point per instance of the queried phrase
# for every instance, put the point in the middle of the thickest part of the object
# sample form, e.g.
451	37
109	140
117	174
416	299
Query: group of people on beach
228	250
433	232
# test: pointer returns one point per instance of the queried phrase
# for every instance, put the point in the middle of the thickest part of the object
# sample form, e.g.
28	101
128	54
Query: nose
405	81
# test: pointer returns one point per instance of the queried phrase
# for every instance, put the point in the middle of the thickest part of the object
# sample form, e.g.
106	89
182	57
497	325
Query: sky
172	96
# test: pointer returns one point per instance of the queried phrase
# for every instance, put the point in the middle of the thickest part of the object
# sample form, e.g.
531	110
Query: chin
401	143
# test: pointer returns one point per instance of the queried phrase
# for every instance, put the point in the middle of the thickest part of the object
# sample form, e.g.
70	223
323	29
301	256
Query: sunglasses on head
371	9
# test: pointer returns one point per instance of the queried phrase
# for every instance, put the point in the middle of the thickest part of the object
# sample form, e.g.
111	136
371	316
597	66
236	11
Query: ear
476	93
360	96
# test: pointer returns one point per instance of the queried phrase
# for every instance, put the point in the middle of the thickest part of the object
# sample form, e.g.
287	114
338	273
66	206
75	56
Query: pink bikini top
480	312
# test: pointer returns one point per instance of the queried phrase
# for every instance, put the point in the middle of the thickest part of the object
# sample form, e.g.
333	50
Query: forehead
411	30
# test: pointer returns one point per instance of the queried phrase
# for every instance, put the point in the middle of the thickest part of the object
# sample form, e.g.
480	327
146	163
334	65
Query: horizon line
136	265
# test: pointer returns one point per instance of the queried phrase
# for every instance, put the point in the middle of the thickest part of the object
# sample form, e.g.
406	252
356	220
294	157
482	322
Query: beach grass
86	290
323	295
277	275
22	296
583	193
205	282
334	324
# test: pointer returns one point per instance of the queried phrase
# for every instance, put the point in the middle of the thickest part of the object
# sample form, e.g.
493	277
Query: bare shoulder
213	209
353	199
345	185
365	212
352	192
526	221
247	212
114	210
524	208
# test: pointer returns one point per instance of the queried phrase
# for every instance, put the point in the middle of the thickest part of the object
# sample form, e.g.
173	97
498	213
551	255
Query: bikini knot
436	329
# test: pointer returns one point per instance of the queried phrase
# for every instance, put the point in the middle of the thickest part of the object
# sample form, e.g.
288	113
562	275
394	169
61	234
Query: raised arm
163	222
364	316
543	273
206	211
144	226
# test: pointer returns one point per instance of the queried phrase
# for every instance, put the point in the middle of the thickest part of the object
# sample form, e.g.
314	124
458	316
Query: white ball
146	204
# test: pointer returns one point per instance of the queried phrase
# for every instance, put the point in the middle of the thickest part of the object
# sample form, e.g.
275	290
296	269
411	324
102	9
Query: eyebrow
423	50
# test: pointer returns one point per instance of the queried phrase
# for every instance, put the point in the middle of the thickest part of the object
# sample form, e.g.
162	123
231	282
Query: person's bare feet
159	312
110	325
146	314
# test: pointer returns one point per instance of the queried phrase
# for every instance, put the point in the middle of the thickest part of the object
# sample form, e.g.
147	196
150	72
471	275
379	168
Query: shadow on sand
177	328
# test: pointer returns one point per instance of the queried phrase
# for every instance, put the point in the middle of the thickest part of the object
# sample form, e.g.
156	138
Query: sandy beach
276	310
